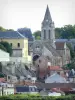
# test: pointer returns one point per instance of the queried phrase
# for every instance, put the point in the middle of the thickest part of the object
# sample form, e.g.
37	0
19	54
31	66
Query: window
49	34
18	44
11	44
44	34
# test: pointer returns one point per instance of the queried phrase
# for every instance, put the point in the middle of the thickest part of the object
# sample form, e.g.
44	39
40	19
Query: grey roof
47	15
6	71
11	34
47	45
62	40
65	40
50	48
26	32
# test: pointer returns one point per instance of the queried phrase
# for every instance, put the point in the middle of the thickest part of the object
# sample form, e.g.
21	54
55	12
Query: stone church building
48	49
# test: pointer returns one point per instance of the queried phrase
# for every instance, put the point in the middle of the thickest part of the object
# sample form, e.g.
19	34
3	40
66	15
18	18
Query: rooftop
26	32
55	68
10	34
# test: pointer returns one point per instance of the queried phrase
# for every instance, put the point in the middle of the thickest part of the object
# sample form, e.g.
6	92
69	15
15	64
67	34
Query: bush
36	97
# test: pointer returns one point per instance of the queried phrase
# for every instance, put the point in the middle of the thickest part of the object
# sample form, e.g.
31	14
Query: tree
37	35
7	46
2	47
2	29
66	32
57	33
72	53
71	65
10	30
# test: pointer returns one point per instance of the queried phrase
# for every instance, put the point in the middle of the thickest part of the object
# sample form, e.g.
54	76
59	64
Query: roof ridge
21	34
55	52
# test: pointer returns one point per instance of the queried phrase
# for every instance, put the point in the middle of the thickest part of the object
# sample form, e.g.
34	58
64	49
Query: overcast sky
30	13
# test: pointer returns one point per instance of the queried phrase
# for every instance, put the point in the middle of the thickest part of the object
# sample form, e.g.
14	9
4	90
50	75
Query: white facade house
7	91
55	78
4	56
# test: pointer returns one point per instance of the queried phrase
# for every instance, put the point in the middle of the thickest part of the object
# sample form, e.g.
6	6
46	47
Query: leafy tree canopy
6	47
37	35
71	50
2	47
66	32
3	29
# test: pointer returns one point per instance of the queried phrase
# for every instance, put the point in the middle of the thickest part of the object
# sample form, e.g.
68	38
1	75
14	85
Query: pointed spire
47	15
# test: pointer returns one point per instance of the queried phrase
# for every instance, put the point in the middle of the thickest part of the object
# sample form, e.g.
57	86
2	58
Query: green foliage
38	38
6	46
3	29
2	47
66	32
37	35
71	65
36	97
58	33
10	30
72	53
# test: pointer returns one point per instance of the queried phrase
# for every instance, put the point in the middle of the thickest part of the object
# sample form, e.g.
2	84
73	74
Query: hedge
36	97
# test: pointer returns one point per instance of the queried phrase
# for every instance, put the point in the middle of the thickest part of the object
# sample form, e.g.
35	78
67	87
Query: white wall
4	56
7	91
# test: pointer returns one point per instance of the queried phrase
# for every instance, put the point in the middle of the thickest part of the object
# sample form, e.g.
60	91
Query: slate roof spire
47	15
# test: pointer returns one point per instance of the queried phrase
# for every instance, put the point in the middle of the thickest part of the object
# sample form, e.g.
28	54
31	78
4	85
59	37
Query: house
26	32
55	78
55	69
19	45
6	88
71	76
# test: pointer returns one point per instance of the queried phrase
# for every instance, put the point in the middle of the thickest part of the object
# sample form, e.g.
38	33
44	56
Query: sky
16	14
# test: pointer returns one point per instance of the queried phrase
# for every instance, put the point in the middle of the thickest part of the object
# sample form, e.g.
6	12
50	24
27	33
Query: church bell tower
48	29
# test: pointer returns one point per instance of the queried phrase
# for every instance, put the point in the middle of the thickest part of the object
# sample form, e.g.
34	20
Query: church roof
26	32
47	15
10	34
52	49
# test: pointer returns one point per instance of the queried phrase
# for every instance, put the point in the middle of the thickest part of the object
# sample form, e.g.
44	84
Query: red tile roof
61	89
55	68
59	45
